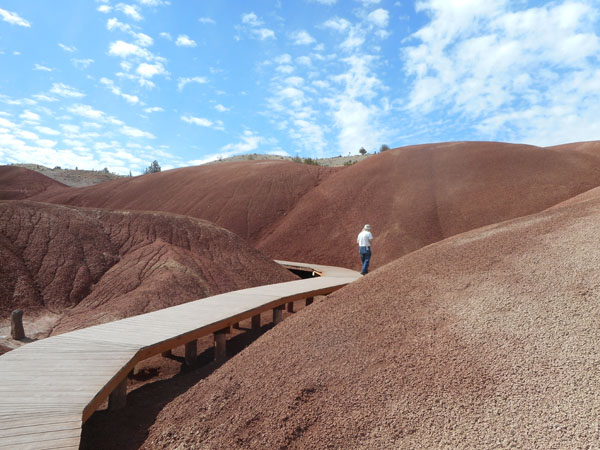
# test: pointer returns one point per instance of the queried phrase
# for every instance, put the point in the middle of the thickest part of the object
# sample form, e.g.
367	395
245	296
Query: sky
94	84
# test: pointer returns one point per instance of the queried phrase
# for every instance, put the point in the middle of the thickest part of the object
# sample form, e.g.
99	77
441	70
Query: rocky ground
73	178
488	339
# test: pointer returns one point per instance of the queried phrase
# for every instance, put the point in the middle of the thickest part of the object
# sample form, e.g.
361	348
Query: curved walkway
49	388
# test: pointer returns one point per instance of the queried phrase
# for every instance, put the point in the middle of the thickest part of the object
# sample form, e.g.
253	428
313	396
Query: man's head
367	227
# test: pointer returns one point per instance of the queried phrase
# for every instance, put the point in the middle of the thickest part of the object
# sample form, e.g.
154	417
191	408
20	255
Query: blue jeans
365	257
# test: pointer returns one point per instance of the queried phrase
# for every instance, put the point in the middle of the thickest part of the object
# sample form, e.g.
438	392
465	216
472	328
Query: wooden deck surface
49	388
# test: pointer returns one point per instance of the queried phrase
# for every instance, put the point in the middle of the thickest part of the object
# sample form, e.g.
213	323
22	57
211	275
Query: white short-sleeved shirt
364	238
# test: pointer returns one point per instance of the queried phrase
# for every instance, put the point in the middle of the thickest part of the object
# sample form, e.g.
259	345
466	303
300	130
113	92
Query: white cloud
125	49
207	20
184	81
82	63
153	109
202	122
324	2
510	71
221	108
251	19
42	68
44	98
134	132
105	9
13	18
48	131
379	17
185	41
153	2
68	49
337	24
30	115
146	70
249	142
132	11
86	111
302	38
66	91
253	26
166	35
133	99
367	3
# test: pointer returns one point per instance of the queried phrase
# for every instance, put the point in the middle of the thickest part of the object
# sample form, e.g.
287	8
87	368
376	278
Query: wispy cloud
82	63
253	25
207	20
505	69
153	109
185	41
66	91
67	48
302	37
202	122
13	18
133	99
42	68
185	81
132	11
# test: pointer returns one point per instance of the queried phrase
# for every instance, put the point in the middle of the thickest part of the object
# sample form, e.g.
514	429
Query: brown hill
17	183
248	198
94	266
412	196
488	339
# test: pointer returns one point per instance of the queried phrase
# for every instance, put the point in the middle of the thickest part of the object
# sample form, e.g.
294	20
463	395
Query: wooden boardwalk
49	388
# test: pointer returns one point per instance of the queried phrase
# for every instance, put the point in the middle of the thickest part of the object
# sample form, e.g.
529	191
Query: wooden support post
167	354
191	353
256	322
278	314
221	345
236	325
16	324
290	307
309	300
118	398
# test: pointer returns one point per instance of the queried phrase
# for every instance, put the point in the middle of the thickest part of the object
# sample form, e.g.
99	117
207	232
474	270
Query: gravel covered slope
488	339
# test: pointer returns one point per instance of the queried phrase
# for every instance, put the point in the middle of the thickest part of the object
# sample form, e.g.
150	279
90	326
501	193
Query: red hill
486	339
249	198
412	196
93	266
17	183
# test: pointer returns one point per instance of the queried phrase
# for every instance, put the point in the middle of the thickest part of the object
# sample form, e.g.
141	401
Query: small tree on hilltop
384	148
153	168
362	151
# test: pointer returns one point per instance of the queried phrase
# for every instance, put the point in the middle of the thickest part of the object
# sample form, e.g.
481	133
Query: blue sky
94	84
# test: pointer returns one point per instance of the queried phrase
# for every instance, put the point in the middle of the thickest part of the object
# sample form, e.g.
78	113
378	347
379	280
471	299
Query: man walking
364	245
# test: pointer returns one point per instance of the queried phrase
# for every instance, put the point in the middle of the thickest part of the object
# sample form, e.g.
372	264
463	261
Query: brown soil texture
488	339
96	266
412	196
249	198
17	183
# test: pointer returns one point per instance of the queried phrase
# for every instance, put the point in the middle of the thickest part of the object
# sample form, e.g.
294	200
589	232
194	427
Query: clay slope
488	339
17	183
95	266
412	196
248	197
